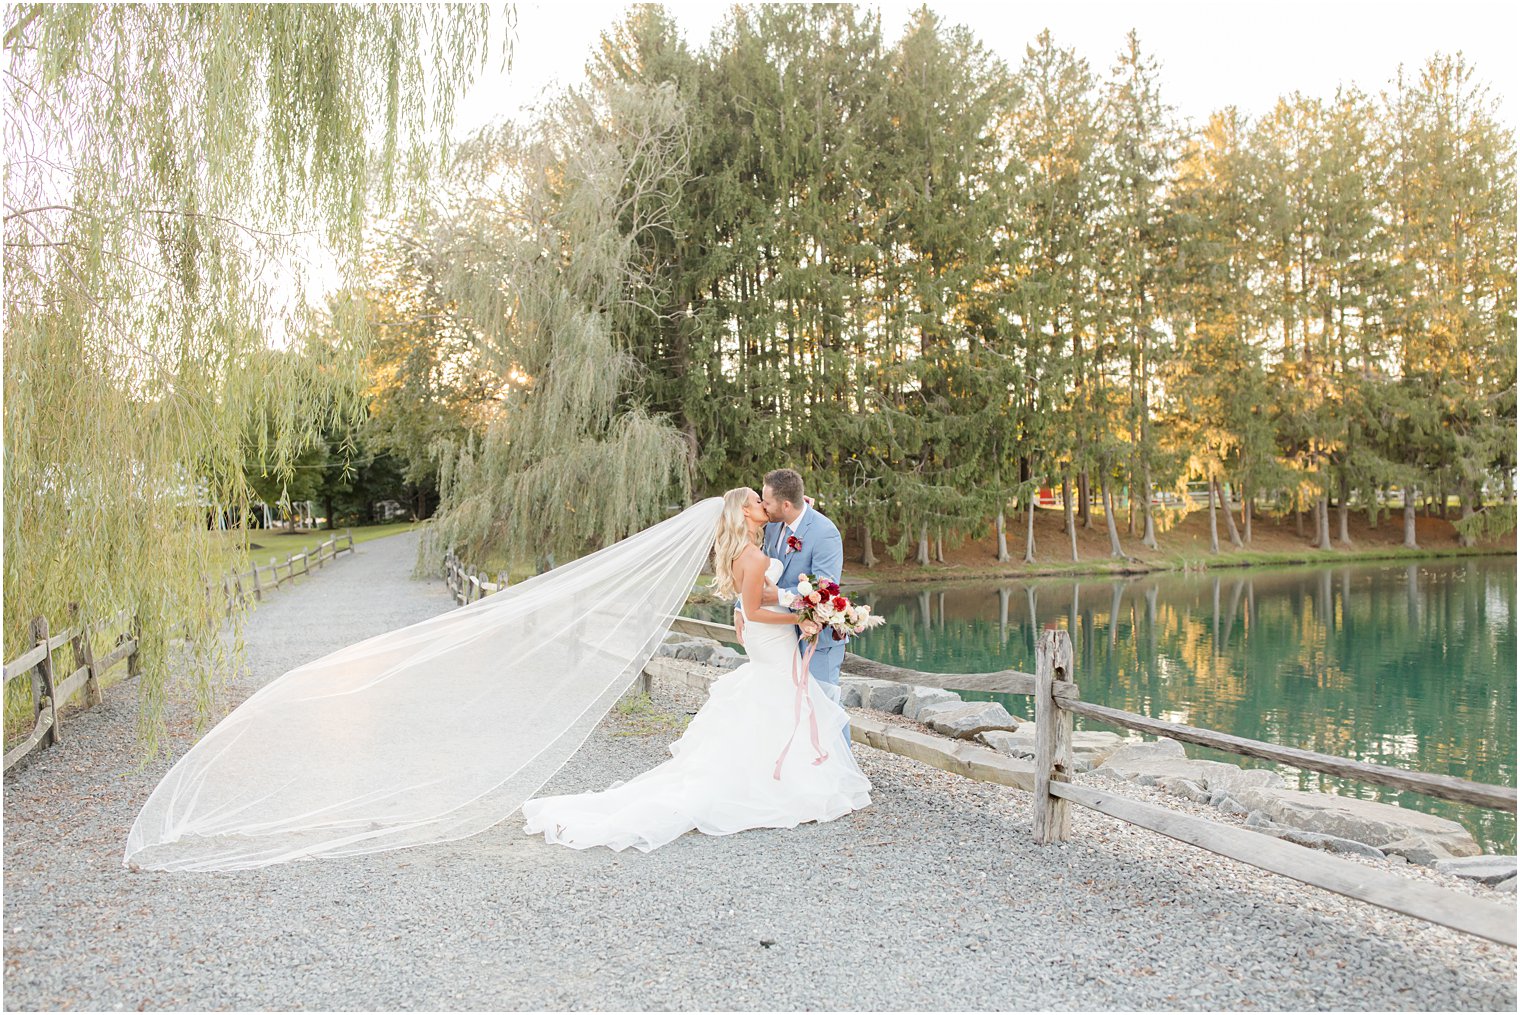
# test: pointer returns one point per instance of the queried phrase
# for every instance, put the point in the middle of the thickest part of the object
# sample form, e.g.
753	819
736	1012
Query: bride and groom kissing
734	768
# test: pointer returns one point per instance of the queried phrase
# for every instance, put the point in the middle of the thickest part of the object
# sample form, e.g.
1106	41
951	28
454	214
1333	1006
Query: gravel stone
933	898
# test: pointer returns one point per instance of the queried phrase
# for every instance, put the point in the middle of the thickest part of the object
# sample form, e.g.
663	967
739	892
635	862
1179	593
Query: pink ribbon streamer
800	681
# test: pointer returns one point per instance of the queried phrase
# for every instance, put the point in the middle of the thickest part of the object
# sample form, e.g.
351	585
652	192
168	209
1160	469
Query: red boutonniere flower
793	544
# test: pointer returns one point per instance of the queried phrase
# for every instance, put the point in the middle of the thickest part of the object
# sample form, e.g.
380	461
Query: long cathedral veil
427	733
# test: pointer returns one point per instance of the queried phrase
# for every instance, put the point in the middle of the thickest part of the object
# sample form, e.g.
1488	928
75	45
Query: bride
735	767
445	728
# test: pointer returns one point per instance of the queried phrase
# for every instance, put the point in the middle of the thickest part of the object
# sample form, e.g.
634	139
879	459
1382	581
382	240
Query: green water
1409	665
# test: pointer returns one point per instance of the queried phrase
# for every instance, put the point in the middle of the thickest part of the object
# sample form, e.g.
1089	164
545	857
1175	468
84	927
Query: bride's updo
733	537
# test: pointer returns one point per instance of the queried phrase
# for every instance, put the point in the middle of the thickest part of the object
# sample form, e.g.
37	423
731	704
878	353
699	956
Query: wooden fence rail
267	577
50	692
466	585
1057	701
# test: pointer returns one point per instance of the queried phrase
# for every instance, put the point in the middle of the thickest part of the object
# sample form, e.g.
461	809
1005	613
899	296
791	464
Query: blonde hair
733	538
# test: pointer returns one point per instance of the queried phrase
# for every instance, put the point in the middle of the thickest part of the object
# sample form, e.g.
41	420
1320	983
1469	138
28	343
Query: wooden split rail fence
266	577
466	585
49	694
1057	701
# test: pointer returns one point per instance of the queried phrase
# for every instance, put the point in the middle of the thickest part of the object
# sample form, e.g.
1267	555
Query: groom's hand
739	624
768	596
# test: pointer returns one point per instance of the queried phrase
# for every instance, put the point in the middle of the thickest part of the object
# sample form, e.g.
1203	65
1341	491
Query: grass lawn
277	543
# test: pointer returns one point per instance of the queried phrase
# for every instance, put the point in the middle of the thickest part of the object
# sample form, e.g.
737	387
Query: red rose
840	602
793	543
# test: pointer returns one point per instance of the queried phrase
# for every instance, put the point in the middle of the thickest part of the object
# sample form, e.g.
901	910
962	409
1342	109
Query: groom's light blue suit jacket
822	555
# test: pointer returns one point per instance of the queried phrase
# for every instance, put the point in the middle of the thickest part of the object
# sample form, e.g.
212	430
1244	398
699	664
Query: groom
806	543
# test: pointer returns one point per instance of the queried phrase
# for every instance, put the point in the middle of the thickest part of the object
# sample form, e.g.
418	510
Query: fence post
42	677
1052	736
134	659
84	655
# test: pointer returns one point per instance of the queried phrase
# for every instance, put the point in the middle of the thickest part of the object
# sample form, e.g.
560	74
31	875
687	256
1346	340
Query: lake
1404	664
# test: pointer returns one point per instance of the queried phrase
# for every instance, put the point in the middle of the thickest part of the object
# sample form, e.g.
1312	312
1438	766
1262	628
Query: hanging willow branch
541	262
169	169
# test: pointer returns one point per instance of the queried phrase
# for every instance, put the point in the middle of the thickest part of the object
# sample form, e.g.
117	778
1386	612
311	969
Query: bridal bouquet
819	600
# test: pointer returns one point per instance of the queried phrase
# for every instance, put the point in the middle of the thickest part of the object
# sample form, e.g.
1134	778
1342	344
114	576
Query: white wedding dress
748	759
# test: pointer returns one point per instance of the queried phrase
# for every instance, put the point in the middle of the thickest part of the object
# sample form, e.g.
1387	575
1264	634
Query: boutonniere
793	544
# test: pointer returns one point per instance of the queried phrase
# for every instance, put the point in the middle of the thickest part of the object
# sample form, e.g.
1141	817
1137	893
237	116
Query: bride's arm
751	582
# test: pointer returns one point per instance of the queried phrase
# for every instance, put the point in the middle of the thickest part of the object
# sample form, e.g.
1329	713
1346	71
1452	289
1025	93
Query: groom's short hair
785	484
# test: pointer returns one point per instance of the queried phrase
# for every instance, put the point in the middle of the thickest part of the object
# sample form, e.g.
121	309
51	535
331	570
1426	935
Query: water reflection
1408	665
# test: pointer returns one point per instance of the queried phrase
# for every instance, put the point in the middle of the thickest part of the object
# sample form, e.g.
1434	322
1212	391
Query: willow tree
166	166
539	260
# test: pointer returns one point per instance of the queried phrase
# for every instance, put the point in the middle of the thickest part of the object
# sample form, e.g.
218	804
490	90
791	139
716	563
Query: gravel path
934	897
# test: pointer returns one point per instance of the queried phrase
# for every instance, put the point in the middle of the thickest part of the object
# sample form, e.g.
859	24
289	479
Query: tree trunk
1071	527
1106	491
923	544
1464	493
1322	522
1002	537
1149	540
1213	519
1409	516
1084	494
939	546
867	552
1034	496
1345	510
1246	509
1229	517
328	504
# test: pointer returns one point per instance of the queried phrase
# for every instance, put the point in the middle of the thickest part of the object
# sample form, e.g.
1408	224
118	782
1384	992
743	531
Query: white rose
804	588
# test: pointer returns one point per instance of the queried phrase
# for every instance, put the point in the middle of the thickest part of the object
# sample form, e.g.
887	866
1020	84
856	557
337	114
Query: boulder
1018	743
868	692
849	691
966	719
1233	777
926	713
918	697
697	650
1148	750
1418	849
1487	869
1507	885
1184	788
884	696
1330	843
1151	771
1089	748
1384	826
726	658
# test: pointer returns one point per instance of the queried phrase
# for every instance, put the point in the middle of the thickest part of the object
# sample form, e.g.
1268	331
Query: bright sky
1212	54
